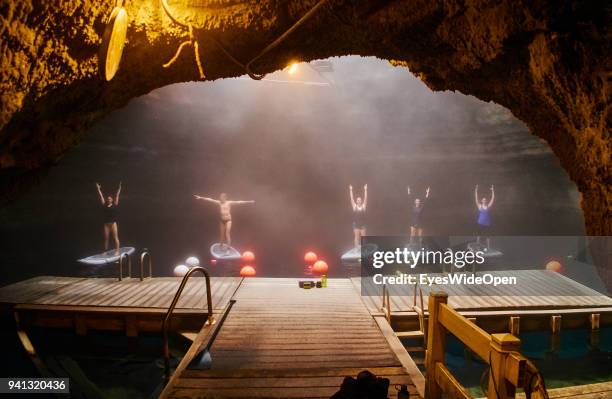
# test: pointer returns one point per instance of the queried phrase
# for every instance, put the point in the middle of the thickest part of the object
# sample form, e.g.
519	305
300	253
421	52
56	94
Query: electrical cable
246	67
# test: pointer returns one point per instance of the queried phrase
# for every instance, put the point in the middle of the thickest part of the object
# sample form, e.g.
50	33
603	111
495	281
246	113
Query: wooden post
386	303
501	346
594	318
436	344
131	326
555	330
515	325
384	298
555	324
80	328
594	336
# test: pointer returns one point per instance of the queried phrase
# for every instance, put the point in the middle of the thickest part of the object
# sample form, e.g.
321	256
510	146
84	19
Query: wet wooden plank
537	289
602	390
129	305
283	341
109	292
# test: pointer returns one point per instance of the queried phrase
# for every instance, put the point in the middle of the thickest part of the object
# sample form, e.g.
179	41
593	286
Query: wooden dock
536	289
538	296
280	341
107	304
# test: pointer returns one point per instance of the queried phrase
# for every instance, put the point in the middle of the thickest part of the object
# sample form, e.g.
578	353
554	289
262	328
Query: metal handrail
414	299
166	322
129	259
147	255
386	303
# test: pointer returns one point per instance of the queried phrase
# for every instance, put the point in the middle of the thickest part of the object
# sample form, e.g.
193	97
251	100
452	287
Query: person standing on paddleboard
484	216
109	212
359	209
416	217
225	215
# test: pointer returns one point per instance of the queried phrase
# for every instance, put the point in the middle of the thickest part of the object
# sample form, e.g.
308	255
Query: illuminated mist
294	148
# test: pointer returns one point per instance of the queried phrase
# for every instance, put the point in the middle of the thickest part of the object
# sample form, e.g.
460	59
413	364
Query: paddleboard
224	252
487	252
107	257
354	254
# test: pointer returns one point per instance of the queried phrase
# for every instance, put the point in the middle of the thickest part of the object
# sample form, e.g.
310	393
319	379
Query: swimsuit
484	221
359	218
109	213
415	216
484	218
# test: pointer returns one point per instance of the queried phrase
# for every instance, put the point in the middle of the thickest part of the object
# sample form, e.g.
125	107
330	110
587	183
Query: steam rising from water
294	149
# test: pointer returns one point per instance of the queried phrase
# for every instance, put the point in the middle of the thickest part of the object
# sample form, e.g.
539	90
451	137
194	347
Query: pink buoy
248	257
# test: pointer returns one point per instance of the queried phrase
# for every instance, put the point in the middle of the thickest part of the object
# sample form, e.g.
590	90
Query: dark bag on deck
365	386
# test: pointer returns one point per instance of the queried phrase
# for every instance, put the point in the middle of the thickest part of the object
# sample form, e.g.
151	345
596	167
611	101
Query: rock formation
546	61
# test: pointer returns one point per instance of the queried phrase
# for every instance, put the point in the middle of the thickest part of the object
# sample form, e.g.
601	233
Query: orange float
247	271
554	266
310	257
320	267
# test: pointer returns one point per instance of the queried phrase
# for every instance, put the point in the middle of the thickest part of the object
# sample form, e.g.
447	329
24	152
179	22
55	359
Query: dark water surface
574	362
294	149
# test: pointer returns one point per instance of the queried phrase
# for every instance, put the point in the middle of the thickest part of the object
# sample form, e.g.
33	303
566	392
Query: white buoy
180	270
192	261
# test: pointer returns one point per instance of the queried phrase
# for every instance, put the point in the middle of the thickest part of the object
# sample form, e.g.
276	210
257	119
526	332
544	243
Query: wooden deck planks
129	293
559	292
602	390
29	290
282	341
129	305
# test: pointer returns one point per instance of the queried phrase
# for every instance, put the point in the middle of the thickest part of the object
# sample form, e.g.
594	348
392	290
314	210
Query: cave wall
546	61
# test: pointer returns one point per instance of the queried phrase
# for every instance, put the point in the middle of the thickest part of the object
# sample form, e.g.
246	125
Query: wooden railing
507	367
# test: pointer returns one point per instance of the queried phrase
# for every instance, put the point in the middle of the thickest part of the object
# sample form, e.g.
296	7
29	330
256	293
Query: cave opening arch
543	61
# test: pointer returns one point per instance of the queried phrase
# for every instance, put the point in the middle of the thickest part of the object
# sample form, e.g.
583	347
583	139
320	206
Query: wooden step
415	349
410	334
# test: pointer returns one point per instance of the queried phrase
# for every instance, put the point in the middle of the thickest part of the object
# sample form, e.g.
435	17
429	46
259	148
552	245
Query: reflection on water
101	365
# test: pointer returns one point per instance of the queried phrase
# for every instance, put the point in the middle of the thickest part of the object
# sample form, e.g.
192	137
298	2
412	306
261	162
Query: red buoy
248	257
310	257
213	261
320	267
247	271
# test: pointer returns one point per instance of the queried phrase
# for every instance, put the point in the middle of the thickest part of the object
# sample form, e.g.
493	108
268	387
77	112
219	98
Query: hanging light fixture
293	68
113	41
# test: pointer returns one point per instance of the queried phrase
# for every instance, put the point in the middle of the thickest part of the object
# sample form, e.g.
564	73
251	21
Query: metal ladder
167	319
421	333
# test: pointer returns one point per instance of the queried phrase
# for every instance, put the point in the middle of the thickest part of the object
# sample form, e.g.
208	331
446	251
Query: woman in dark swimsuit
109	209
484	216
416	222
359	208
